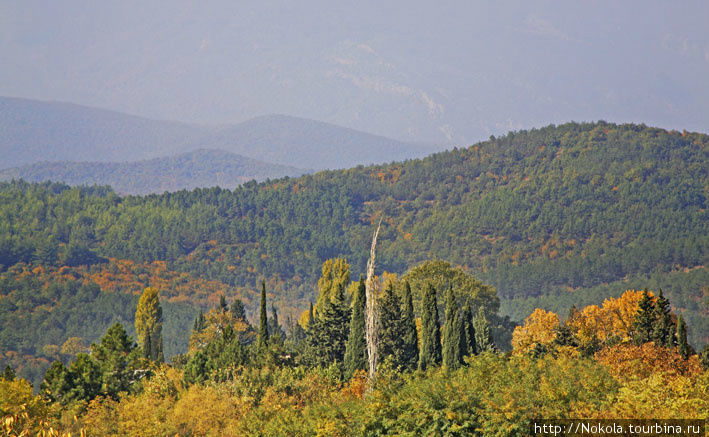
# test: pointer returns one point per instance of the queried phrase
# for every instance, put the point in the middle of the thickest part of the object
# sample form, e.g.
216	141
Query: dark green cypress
684	349
410	355
274	328
263	320
8	374
391	340
451	333
356	349
644	319
311	317
468	331
704	357
430	354
662	327
199	322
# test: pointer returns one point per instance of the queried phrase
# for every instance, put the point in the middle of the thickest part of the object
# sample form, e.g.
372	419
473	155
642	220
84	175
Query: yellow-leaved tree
539	328
148	324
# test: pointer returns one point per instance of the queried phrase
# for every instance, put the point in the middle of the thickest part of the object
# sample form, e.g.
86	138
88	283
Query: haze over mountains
74	144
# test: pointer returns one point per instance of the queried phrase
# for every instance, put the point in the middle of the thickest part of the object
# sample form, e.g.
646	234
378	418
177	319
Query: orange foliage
613	319
629	361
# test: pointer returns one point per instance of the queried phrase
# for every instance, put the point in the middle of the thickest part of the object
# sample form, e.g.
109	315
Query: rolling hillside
200	168
552	217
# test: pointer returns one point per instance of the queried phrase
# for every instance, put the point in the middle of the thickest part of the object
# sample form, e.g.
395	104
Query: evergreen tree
311	317
274	328
410	355
85	379
391	328
263	320
199	322
148	324
483	338
430	354
237	310
327	338
468	331
662	327
57	382
356	348
704	358
451	352
223	307
684	349
8	374
117	358
644	319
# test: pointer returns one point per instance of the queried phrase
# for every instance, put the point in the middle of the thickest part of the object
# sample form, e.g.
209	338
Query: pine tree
452	356
662	327
117	359
683	347
274	328
391	328
148	324
238	311
468	331
483	338
356	348
8	374
263	320
410	355
430	354
644	319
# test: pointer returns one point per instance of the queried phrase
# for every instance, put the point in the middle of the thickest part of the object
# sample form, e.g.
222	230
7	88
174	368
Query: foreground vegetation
628	358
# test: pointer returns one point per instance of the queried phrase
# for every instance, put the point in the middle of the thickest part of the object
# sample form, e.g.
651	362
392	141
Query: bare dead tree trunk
371	327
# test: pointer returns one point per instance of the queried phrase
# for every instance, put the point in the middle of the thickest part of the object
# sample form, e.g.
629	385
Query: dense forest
438	373
550	217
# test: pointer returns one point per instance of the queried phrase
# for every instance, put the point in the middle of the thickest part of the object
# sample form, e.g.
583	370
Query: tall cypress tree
468	331
430	354
391	329
223	307
644	319
311	317
684	349
274	328
704	357
483	338
451	333
410	355
263	320
356	349
199	322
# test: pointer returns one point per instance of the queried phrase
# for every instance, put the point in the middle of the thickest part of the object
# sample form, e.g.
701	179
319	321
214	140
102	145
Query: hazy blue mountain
33	131
420	71
200	168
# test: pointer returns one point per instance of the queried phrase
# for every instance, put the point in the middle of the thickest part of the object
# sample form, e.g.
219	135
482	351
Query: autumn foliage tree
148	324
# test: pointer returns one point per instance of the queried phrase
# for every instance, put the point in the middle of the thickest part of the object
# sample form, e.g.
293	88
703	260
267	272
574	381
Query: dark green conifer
263	320
327	336
468	331
452	357
683	347
430	354
238	311
644	319
662	327
356	348
199	322
704	357
391	328
223	307
8	374
311	317
410	355
274	328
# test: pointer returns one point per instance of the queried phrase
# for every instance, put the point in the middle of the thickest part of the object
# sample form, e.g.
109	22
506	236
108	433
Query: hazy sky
447	71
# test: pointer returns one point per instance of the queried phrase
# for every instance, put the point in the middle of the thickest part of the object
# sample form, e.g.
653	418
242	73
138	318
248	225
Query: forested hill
200	168
553	216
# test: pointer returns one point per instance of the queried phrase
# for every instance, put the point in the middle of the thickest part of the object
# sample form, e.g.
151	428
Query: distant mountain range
34	131
200	168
